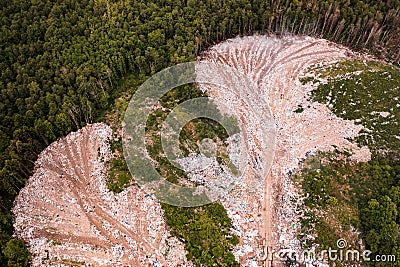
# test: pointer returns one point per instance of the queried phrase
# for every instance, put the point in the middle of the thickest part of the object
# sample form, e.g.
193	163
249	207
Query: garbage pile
68	216
276	112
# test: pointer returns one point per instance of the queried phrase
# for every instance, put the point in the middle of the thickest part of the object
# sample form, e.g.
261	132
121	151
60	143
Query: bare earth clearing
275	65
68	215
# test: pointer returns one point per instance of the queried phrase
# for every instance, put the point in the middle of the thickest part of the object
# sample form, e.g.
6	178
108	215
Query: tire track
66	202
275	65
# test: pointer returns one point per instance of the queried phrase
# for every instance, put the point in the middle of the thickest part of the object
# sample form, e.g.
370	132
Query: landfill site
68	216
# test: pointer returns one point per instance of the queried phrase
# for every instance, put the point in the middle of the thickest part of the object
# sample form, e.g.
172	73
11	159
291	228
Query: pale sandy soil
67	210
275	65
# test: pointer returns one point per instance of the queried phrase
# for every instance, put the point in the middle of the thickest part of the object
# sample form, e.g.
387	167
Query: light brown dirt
275	65
67	210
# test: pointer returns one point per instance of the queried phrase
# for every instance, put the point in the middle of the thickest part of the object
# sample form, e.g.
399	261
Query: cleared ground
301	127
69	217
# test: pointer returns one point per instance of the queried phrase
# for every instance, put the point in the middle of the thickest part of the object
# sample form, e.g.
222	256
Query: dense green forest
61	62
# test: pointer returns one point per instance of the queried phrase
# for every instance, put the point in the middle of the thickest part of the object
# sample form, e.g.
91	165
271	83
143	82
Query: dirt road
274	65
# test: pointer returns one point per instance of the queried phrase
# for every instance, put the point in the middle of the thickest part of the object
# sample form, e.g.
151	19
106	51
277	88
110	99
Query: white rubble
266	214
67	214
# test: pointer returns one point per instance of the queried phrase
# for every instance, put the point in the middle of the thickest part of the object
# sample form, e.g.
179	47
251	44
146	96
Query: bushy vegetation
119	176
61	61
369	93
205	233
341	196
204	230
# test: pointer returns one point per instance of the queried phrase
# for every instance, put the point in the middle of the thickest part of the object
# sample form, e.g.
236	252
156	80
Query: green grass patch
341	196
367	92
119	176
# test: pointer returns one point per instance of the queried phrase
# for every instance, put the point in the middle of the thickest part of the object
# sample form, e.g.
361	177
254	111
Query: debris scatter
265	216
68	215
